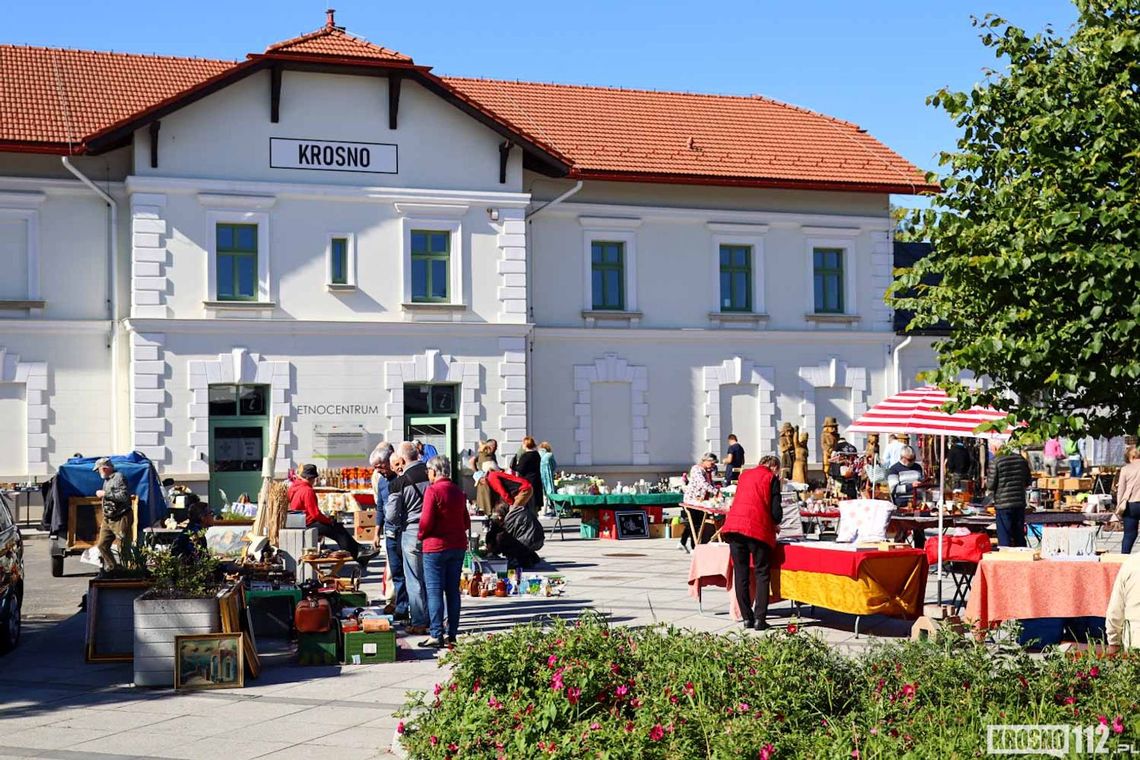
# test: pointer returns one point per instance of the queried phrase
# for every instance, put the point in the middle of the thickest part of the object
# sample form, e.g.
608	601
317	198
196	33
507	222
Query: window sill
738	317
833	319
428	306
241	305
593	316
334	287
13	305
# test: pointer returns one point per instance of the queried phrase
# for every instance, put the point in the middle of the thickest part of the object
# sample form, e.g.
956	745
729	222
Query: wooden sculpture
828	438
787	449
872	450
799	467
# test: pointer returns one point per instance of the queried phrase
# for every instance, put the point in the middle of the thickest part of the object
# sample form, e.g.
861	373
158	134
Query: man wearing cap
302	498
841	469
118	522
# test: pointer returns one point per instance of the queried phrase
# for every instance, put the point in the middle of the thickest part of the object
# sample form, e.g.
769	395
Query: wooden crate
362	648
85	519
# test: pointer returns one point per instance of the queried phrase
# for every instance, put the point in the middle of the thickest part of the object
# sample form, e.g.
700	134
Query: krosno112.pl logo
1052	740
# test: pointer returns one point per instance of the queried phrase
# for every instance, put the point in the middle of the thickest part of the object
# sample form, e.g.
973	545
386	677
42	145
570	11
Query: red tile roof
57	96
745	140
334	41
52	99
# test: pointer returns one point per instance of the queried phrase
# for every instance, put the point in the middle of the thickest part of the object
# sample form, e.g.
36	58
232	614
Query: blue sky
872	62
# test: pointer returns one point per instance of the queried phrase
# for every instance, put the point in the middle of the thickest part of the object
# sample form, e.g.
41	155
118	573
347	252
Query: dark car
11	577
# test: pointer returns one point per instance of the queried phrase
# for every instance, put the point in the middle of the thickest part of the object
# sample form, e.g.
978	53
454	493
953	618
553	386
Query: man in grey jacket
405	504
118	520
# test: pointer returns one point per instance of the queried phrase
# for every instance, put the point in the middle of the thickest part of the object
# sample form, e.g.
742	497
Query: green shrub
585	689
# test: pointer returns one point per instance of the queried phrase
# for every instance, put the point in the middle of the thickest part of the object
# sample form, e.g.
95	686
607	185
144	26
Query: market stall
1029	589
600	512
842	577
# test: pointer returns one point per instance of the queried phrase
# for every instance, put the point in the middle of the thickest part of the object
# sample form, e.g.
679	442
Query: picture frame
236	618
209	661
110	619
631	524
85	519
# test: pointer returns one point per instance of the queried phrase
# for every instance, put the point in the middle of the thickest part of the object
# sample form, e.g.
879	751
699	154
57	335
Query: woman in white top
1122	619
699	488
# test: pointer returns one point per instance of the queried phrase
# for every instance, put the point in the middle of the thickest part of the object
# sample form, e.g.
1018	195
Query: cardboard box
1011	554
675	530
365	518
657	530
1076	484
366	534
361	648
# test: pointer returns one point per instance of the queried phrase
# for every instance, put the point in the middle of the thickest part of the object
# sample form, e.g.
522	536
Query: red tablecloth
958	548
1013	590
831	561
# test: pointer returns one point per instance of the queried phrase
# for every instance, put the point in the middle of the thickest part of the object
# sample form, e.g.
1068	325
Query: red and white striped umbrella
919	411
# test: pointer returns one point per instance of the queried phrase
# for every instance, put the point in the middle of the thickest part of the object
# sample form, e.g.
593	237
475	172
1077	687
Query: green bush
584	689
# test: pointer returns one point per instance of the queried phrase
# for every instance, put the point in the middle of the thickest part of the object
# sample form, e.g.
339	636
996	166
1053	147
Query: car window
5	514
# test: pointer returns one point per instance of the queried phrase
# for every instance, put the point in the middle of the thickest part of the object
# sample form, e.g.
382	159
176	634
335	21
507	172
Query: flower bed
589	690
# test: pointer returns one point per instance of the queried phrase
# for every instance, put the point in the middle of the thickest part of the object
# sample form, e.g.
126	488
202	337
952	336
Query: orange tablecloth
1014	590
884	582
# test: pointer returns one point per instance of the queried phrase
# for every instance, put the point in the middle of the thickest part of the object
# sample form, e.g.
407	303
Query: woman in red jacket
443	529
750	530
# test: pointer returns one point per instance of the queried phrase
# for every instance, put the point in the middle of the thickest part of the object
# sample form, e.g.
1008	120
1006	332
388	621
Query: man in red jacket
750	530
302	498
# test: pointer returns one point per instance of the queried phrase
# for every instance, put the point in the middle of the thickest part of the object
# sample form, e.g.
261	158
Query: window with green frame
431	266
338	261
829	280
607	267
736	278
236	262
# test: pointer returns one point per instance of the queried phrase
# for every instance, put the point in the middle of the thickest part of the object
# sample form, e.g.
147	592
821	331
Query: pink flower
621	691
793	628
494	704
453	747
1117	725
1103	720
657	733
855	753
400	727
615	668
767	752
556	680
434	740
1094	671
874	731
551	661
573	694
689	690
436	691
595	726
1070	700
635	703
743	707
823	722
629	726
909	690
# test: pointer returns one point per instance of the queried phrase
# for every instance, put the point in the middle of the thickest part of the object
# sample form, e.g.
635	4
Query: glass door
436	431
239	439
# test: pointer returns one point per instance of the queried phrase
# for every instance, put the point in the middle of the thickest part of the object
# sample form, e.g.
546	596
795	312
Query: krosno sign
332	156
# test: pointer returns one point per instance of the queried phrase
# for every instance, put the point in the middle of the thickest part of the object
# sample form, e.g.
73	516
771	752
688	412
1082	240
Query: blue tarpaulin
77	477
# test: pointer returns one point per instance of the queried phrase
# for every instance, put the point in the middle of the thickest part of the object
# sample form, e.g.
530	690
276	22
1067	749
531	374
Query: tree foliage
1037	232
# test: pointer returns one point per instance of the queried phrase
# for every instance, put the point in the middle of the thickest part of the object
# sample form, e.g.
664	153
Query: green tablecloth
580	501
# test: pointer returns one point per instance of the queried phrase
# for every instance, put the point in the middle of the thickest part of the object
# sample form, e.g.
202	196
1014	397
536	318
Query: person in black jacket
528	464
405	505
1008	478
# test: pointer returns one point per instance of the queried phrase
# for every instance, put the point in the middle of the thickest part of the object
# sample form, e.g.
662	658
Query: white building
330	232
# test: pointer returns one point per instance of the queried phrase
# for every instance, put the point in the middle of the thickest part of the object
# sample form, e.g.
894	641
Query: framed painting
209	661
236	618
634	524
111	619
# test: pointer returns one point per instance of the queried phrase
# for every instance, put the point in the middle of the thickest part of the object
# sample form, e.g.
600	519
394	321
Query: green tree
1037	232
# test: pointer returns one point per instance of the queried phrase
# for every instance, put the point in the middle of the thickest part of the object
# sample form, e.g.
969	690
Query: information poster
341	444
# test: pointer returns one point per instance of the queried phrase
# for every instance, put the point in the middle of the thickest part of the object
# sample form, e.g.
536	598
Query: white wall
677	263
227	134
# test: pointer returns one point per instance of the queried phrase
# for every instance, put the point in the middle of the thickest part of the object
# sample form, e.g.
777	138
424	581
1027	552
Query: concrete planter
111	618
157	622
